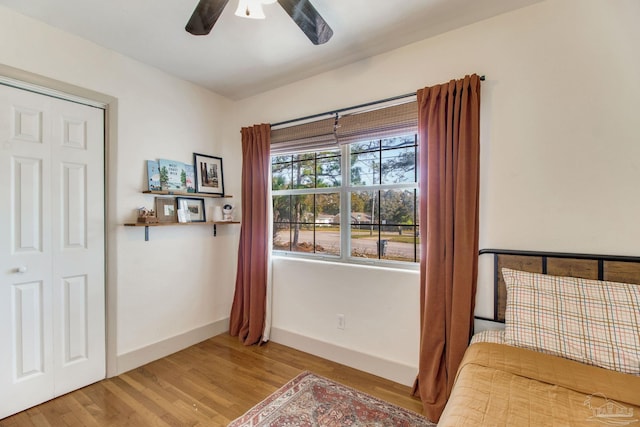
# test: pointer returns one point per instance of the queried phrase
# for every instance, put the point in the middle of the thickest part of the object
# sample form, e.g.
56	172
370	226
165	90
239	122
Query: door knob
21	269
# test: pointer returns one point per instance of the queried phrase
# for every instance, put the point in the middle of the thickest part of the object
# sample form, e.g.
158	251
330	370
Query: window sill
355	262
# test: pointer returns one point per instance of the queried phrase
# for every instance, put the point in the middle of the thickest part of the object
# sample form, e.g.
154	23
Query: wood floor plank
80	411
208	384
173	412
138	403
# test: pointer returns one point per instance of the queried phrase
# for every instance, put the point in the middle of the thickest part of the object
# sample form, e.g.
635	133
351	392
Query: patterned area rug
309	400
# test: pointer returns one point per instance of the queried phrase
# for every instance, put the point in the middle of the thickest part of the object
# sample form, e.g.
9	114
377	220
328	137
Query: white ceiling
242	57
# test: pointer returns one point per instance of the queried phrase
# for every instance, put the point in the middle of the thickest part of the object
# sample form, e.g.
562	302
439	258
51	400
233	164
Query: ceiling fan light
250	9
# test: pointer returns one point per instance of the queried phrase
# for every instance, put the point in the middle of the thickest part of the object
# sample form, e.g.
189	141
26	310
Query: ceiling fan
302	12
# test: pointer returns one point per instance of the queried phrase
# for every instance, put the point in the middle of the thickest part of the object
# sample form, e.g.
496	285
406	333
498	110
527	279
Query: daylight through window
374	182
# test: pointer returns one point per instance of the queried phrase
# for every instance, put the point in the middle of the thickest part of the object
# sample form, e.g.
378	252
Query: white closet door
77	189
52	337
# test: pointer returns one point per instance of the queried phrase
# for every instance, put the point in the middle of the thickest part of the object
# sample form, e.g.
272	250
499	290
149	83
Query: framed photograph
193	207
166	209
208	174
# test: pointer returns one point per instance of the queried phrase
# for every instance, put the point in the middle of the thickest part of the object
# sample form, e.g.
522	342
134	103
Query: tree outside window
377	187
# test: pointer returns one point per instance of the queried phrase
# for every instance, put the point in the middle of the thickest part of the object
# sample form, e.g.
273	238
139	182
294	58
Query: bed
570	350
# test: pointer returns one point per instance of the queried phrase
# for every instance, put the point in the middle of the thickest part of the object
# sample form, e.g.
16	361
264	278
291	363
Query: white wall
381	308
182	280
560	157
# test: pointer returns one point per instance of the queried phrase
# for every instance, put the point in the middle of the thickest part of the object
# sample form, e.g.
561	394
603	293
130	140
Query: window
383	199
306	202
345	186
373	181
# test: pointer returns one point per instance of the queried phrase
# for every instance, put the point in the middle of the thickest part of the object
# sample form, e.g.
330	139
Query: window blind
381	123
311	136
347	127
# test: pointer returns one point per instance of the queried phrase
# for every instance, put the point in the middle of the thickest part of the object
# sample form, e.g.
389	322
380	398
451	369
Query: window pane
360	147
327	236
397	207
303	156
282	209
364	241
328	153
281	172
307	223
365	168
393	233
302	209
399	244
281	237
328	172
302	218
302	238
398	165
373	242
303	174
328	240
400	141
364	207
328	208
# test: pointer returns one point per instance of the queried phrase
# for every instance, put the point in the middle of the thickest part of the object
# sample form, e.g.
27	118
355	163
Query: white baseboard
391	370
142	356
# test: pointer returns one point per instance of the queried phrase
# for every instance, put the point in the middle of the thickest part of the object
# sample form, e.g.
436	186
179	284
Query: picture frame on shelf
173	175
153	176
191	179
208	174
194	208
166	209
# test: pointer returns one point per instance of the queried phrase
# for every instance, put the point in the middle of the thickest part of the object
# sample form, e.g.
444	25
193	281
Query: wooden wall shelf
185	194
164	224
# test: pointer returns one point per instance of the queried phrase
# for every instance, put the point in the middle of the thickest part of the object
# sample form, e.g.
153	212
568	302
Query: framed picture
166	209
153	176
173	175
193	207
208	174
191	179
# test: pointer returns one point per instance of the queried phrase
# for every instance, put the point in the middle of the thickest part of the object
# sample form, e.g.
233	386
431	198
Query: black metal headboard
587	266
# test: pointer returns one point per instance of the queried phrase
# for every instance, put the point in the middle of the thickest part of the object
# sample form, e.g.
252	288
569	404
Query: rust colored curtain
449	135
249	301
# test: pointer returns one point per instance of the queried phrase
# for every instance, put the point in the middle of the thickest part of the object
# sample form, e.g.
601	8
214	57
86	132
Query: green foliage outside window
379	192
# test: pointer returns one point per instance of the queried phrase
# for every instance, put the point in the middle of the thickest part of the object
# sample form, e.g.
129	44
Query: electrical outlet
340	321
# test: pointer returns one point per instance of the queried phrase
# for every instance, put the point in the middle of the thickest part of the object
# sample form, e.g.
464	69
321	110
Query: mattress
504	385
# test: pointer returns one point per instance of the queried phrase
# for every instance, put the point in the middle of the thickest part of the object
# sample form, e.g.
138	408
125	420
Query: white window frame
345	189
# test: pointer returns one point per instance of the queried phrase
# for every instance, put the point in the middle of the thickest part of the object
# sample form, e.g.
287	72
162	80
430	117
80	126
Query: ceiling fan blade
308	19
205	16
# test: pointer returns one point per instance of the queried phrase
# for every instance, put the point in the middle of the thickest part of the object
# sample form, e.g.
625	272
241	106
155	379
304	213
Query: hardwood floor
208	384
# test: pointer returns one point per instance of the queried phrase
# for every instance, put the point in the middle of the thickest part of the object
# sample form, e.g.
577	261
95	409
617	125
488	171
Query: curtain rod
342	110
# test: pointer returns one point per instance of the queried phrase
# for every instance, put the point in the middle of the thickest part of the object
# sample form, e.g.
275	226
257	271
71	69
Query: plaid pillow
492	336
591	321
